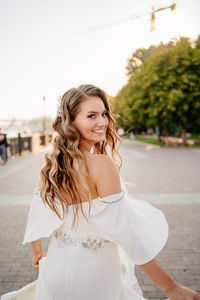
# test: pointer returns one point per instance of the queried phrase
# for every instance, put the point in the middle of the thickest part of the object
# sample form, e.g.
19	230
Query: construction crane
130	18
155	11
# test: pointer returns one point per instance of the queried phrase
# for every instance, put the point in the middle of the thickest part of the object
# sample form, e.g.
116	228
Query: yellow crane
130	18
155	11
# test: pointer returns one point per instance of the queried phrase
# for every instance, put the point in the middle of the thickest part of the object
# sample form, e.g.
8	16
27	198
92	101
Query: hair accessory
59	106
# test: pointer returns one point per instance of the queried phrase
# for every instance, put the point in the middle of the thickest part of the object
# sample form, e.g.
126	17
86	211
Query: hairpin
59	106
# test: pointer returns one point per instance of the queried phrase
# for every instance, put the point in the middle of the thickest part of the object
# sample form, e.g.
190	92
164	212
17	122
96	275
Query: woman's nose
102	121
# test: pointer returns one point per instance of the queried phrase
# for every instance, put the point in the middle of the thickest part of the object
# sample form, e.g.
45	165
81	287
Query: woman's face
92	120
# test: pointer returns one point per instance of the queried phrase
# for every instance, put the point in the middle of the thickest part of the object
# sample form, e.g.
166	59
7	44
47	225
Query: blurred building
13	127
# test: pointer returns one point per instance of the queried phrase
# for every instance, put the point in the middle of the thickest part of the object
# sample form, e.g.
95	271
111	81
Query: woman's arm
37	254
171	288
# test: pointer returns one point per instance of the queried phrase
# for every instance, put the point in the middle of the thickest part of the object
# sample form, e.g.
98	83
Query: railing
45	139
16	146
19	144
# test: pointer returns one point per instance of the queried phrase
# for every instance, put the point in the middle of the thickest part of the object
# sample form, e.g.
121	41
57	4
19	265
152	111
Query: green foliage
151	141
163	89
138	57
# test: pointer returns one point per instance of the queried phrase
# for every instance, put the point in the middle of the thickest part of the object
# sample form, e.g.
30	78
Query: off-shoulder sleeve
135	225
42	221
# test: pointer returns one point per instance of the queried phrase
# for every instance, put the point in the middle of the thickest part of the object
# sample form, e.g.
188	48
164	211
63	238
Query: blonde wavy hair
60	183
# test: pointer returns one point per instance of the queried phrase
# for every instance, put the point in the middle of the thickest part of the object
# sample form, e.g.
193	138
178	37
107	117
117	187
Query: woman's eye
91	116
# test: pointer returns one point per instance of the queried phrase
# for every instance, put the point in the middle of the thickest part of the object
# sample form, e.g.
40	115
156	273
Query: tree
164	91
140	55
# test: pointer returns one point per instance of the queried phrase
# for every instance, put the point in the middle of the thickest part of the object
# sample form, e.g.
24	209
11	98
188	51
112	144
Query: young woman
97	231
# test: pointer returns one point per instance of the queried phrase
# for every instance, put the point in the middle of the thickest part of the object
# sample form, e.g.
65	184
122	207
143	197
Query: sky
48	46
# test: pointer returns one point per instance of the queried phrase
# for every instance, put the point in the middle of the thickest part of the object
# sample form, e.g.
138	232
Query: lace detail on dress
95	246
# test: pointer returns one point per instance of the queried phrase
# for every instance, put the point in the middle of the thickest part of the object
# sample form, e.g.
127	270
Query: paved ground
168	178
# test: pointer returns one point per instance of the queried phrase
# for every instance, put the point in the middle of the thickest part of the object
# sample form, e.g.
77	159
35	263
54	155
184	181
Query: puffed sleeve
42	221
135	225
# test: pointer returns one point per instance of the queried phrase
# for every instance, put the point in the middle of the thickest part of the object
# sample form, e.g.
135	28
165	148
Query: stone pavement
168	178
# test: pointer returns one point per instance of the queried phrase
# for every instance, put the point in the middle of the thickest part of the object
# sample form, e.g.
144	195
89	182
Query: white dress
95	261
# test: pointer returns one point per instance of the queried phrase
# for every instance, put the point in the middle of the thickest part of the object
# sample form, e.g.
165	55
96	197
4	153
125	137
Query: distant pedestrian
132	136
3	145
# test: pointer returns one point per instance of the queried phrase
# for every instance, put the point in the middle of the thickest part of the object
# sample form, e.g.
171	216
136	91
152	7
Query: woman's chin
103	138
96	140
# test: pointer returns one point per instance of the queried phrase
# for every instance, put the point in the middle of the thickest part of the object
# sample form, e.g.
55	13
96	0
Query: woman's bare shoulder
104	174
97	162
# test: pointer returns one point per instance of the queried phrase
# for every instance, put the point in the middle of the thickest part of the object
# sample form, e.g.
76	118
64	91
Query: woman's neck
85	146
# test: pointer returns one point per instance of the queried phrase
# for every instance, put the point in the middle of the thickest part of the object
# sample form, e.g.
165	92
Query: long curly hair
60	183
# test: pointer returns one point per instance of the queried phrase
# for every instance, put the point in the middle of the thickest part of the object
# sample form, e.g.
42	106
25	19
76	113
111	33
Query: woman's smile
99	131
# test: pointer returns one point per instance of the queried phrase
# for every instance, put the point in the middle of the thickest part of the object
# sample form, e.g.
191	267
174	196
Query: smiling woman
94	259
92	120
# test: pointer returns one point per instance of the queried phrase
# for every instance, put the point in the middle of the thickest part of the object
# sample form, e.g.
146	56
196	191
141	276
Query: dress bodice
139	228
